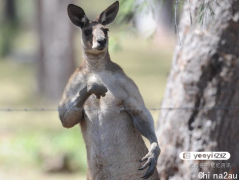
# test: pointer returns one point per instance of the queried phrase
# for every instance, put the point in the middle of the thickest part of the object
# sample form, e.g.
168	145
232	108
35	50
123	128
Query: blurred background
40	49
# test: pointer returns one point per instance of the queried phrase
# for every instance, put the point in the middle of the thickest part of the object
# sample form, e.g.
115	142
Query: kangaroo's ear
109	15
77	15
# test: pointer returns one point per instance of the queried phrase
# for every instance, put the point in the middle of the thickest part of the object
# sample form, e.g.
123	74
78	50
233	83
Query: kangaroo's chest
114	97
105	117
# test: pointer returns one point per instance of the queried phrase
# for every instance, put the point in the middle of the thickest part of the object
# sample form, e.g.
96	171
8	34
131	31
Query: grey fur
94	98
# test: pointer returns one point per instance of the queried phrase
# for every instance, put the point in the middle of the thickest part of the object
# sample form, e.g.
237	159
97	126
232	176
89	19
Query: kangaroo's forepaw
151	162
98	89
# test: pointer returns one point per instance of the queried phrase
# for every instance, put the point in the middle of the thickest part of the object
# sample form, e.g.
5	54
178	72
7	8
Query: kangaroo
108	106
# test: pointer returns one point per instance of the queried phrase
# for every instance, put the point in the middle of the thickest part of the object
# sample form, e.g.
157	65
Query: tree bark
56	53
204	76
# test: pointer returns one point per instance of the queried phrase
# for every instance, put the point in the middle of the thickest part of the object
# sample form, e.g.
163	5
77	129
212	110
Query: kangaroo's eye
105	31
87	32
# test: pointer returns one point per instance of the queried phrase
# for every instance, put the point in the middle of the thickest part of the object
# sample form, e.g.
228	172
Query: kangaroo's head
94	33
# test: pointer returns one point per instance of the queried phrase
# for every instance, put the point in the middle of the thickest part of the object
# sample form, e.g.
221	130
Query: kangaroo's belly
114	146
110	134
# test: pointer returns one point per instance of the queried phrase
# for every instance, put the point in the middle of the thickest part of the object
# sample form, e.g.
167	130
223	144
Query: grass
27	136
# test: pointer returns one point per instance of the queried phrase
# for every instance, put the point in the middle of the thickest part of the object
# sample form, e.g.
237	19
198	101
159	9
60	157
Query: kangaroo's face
95	37
94	33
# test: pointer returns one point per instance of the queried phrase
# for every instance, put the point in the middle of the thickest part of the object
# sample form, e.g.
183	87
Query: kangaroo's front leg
71	109
143	122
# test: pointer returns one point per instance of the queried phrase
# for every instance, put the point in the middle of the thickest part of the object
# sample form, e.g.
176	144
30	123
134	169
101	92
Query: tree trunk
8	27
56	53
10	10
204	77
164	16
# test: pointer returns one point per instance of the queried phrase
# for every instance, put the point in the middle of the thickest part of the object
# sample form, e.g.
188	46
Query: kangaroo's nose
102	41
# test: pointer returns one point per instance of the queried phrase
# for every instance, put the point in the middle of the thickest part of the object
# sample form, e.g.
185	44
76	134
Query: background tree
8	26
10	10
164	16
152	19
56	52
204	76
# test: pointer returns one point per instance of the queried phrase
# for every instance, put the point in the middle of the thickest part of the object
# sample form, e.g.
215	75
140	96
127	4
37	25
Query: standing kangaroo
108	106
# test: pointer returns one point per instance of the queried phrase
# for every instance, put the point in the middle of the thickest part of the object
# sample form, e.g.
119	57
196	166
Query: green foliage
129	9
207	7
126	11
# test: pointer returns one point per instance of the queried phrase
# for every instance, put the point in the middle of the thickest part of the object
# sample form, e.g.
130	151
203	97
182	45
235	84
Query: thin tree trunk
56	53
8	26
10	10
204	73
164	16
